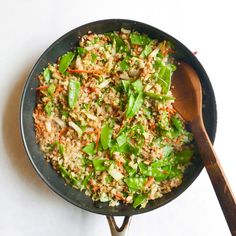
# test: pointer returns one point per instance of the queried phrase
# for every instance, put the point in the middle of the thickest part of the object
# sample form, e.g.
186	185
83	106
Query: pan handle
119	231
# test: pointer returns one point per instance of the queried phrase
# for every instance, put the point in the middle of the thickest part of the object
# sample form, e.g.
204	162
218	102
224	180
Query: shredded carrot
42	87
118	196
98	138
84	71
152	125
59	89
163	48
89	132
170	50
119	163
149	181
62	131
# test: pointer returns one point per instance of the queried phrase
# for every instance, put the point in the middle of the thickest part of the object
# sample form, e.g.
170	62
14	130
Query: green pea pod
125	148
145	170
98	165
159	173
124	64
49	108
184	156
90	149
126	85
165	79
51	89
65	61
130	105
137	86
108	179
93	57
106	134
138	128
136	106
135	183
85	181
147	50
178	124
175	172
158	97
120	44
81	51
167	150
122	139
61	149
131	172
164	74
65	174
139	199
74	89
139	39
47	75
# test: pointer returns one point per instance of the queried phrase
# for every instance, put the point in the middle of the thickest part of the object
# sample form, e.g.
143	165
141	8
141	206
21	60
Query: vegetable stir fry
105	120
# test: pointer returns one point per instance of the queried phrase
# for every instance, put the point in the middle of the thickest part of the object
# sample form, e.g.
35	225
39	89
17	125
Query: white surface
27	206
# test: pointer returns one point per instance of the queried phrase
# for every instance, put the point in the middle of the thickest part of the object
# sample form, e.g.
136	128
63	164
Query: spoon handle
218	179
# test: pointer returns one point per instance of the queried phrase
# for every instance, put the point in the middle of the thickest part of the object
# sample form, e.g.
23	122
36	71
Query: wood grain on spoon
188	93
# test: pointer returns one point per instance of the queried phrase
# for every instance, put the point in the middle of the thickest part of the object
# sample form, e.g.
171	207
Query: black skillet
46	172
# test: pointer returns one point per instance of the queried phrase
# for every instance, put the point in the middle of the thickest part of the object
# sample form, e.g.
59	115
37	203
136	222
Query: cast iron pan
28	101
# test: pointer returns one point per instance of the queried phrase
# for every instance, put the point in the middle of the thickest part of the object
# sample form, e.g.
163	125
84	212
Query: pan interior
66	43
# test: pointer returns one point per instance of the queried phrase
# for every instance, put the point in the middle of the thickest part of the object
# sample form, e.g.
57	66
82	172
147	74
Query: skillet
45	170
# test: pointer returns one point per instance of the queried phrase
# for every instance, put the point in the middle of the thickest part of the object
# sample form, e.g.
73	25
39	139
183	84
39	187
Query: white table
27	206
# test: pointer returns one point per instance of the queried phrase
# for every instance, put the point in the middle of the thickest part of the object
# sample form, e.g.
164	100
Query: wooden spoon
188	93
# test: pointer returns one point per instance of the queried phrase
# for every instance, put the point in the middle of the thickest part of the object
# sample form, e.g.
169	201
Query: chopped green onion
86	180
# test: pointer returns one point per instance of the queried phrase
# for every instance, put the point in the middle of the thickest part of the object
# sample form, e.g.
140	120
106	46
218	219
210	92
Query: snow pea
74	89
135	183
106	134
139	39
139	199
90	148
47	75
65	61
98	165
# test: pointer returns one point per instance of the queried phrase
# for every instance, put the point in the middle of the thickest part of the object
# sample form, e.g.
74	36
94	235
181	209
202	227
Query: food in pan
105	119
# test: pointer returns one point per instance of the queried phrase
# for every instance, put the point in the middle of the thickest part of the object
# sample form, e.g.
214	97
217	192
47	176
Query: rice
105	119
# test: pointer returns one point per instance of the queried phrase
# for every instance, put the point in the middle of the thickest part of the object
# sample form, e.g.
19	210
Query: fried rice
105	119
